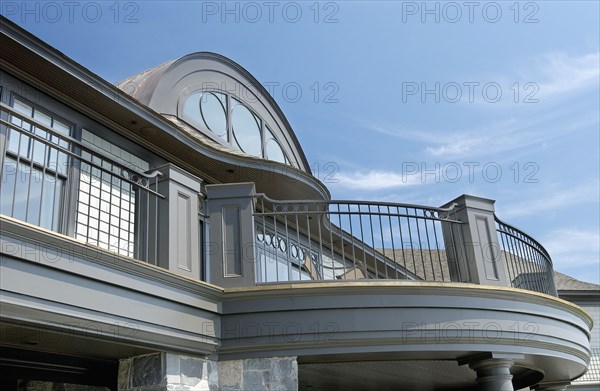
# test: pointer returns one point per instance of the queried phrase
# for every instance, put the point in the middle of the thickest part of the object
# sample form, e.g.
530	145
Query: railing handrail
94	151
357	202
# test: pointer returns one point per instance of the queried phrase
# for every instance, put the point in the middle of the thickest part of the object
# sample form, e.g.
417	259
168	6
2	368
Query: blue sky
400	101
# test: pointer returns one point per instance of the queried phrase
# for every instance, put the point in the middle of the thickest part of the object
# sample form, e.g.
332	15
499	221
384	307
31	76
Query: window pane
9	175
14	140
43	118
246	129
38	149
22	107
20	196
32	188
18	143
34	196
51	198
207	110
273	150
61	127
214	113
191	109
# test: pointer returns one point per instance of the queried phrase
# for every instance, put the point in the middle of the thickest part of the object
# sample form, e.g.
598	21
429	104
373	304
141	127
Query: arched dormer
224	102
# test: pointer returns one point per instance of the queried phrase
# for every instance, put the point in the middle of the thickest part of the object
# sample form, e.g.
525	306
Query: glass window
31	194
106	204
246	129
34	172
207	110
273	150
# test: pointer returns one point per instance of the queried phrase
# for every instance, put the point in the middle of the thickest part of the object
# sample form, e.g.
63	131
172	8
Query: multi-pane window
35	169
69	180
233	123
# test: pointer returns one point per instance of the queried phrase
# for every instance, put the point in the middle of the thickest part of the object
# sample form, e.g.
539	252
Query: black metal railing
334	240
339	240
527	262
55	181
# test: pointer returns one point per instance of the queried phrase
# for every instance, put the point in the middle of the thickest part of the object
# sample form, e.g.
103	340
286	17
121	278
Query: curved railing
334	240
526	261
352	240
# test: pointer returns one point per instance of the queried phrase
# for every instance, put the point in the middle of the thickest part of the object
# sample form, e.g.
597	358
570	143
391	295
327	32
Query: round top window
233	122
246	129
273	150
209	110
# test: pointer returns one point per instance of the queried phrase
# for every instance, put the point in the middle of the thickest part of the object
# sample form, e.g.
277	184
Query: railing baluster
437	249
402	242
265	233
382	240
301	259
428	245
287	248
339	213
392	241
350	217
525	257
412	247
372	240
362	241
309	236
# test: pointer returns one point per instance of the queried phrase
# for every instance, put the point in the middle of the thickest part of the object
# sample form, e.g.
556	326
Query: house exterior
587	296
167	233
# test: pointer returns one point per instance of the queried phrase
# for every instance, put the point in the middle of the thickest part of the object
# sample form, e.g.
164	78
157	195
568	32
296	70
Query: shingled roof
433	266
567	283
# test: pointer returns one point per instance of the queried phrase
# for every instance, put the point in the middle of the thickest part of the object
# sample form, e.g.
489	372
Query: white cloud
377	180
518	132
547	78
497	137
565	74
558	76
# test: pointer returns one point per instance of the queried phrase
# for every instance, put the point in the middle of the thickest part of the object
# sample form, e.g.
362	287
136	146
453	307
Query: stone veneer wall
172	372
38	385
272	374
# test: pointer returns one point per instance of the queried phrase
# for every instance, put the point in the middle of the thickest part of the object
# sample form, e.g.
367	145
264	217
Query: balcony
120	208
462	242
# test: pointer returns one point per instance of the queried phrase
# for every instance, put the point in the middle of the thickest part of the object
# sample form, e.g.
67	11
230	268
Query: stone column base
169	372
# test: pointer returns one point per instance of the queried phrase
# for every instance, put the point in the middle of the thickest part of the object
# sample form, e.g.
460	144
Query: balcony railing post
177	228
474	253
231	246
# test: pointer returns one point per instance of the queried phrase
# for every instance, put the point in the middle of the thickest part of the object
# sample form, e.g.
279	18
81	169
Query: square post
177	226
232	235
474	253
